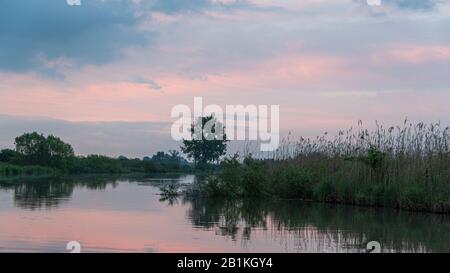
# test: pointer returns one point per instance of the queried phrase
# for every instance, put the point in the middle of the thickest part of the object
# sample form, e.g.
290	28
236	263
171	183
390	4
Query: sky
105	75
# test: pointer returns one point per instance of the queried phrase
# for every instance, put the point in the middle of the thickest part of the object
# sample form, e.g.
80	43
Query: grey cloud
172	6
177	6
415	5
149	82
94	32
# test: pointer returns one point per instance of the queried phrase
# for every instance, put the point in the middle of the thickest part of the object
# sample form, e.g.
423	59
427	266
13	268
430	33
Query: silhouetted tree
208	143
49	151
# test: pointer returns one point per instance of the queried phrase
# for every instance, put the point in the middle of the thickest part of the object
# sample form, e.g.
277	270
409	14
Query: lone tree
37	149
208	141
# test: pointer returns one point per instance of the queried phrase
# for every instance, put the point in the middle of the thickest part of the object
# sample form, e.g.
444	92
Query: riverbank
10	171
404	167
92	165
294	180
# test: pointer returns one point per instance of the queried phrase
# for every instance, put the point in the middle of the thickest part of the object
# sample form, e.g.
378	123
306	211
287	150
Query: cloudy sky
105	75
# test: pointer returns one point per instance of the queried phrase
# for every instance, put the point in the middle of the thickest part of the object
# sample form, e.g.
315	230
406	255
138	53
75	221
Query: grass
11	171
405	167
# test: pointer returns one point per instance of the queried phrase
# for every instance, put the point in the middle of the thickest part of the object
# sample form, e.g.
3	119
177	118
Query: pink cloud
95	97
414	54
316	90
287	71
26	95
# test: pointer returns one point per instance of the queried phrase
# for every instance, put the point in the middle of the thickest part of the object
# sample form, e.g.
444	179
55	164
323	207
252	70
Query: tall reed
404	166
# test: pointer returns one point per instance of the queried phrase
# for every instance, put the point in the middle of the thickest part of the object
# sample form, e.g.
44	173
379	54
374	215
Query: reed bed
405	167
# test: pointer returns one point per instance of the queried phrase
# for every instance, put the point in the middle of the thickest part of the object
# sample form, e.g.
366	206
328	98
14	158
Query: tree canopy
49	151
208	143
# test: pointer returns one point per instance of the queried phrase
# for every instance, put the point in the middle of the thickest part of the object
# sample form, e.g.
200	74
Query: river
108	214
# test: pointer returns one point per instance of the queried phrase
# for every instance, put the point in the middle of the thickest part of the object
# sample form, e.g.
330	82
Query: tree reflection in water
301	226
49	193
346	226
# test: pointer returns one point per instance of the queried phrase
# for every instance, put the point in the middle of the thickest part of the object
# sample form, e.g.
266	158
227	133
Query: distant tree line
50	152
36	153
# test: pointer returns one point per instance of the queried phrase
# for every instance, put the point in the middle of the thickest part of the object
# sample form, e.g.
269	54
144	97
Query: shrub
292	181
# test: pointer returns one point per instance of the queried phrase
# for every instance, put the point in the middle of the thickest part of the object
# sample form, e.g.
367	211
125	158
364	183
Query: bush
292	181
414	196
248	179
230	177
255	178
213	187
324	191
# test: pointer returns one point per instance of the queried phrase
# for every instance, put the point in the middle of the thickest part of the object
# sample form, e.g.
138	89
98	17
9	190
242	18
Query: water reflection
349	228
48	193
118	214
51	192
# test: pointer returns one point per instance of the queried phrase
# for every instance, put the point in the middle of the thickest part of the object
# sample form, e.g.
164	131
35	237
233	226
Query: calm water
128	215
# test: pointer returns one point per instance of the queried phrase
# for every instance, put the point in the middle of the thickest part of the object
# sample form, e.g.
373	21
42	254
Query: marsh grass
10	171
404	167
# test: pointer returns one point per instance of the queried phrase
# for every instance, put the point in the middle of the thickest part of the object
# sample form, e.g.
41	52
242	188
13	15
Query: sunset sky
105	75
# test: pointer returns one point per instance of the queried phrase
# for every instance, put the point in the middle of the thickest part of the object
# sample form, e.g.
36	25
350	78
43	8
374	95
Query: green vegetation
36	155
208	143
50	151
39	155
169	192
9	170
402	167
